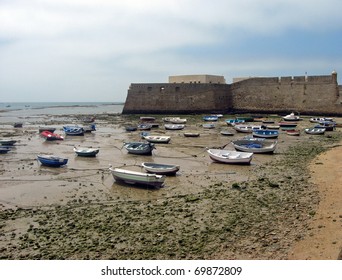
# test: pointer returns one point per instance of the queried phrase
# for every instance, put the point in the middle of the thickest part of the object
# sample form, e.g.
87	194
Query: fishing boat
50	129
137	178
247	128
172	126
191	134
86	152
255	146
293	132
157	138
291	117
160	168
212	118
52	160
49	136
139	148
314	131
73	130
265	133
228	156
7	142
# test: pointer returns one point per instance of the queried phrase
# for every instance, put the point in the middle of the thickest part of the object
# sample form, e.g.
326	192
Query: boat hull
162	169
231	157
52	161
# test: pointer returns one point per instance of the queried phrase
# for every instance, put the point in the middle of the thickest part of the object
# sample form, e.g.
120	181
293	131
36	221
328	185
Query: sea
19	110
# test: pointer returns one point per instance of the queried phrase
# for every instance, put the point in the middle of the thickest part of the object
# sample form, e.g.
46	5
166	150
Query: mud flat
207	211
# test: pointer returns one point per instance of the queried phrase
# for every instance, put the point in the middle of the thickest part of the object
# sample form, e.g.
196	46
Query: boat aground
228	156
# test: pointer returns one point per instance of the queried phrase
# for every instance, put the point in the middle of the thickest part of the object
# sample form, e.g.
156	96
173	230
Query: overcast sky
92	50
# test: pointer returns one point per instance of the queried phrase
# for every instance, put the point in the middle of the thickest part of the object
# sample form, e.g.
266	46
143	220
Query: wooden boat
73	130
52	160
255	146
86	152
228	156
209	125
246	128
49	136
314	130
50	129
137	178
293	132
291	117
213	118
157	138
265	133
139	148
227	133
160	168
7	142
174	126
191	134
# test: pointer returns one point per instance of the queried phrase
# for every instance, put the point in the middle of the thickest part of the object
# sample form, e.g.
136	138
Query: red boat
49	136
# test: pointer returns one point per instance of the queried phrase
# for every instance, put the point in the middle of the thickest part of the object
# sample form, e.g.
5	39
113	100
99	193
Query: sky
86	50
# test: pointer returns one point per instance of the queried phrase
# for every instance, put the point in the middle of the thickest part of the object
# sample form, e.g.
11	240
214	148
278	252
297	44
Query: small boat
52	160
86	152
268	121
265	133
160	168
247	128
175	120
272	126
234	121
8	142
228	156
314	131
293	132
137	178
50	129
174	126
139	148
291	117
157	138
227	133
49	136
287	125
4	150
328	125
17	125
245	118
209	125
144	126
255	146
88	119
318	119
147	118
89	128
191	134
130	128
73	130
212	118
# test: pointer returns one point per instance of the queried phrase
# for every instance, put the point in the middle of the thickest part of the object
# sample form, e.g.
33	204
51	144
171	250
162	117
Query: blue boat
210	118
139	148
234	121
4	150
265	133
52	160
73	130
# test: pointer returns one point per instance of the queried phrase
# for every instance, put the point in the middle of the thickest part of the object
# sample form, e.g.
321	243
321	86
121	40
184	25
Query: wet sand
249	214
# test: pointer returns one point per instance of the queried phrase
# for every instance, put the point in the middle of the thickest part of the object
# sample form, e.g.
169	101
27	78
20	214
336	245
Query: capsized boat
52	160
137	178
160	168
229	156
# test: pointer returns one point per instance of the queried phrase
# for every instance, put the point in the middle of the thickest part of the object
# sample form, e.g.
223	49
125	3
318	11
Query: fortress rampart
304	94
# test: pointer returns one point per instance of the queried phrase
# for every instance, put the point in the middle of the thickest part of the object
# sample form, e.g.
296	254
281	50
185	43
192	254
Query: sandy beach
282	206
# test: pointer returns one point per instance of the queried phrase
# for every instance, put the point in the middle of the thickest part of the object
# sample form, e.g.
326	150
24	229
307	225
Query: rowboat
89	128
314	130
52	160
291	117
227	133
191	134
328	125
7	142
255	146
4	150
228	156
17	125
265	133
49	136
234	121
50	129
287	125
86	152
320	119
246	128
174	126
209	125
160	168
144	126
210	118
147	118
157	138
293	132
175	120
73	130
139	148
137	178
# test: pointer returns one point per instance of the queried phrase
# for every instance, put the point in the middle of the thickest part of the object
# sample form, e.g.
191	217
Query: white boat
209	125
228	156
86	152
157	138
246	128
227	133
175	120
255	146
314	130
291	117
160	168
174	126
137	178
320	119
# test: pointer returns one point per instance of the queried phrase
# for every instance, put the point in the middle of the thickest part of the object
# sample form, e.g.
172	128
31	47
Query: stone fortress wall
304	94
